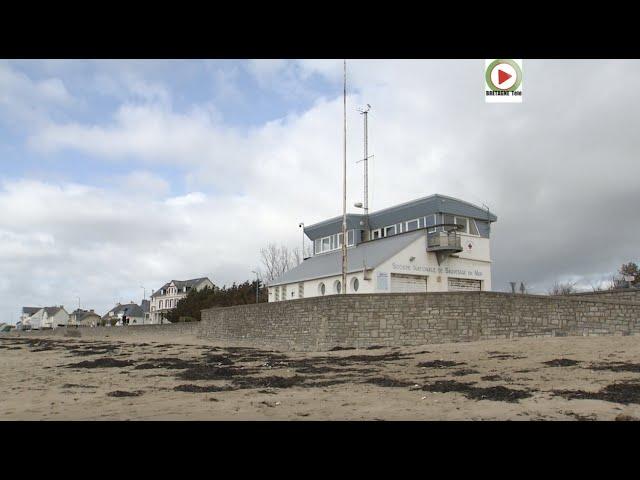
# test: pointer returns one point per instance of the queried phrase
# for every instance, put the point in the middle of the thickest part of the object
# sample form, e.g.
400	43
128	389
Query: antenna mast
344	185
365	159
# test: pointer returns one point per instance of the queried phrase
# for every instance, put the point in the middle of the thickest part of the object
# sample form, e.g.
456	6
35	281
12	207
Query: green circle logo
513	65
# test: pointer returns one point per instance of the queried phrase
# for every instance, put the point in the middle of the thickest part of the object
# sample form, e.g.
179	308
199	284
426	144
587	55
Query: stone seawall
392	319
138	332
321	323
622	294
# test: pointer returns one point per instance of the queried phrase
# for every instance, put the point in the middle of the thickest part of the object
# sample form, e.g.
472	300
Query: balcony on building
444	242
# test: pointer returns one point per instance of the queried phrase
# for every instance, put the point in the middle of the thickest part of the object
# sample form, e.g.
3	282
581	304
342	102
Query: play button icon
503	80
503	76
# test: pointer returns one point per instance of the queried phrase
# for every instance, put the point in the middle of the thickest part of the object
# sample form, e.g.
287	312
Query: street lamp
301	225
257	284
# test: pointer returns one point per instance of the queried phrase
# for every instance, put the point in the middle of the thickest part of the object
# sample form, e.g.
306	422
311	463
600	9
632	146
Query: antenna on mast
365	205
344	184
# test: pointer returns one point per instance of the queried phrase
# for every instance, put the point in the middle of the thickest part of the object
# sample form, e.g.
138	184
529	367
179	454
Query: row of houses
153	311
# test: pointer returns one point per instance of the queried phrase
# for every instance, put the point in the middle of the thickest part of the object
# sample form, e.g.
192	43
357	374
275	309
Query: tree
559	288
276	260
190	307
631	269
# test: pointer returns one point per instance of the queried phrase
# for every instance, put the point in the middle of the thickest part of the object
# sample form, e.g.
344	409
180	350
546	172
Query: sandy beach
569	378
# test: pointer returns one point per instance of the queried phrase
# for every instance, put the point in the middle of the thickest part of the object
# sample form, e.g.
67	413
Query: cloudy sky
116	175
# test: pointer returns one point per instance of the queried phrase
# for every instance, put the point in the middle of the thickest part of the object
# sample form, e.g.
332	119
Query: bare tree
617	282
560	288
276	260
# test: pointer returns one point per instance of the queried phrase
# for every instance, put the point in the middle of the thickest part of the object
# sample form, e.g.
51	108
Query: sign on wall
382	281
444	270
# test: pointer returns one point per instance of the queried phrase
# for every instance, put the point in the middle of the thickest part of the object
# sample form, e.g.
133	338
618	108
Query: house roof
83	314
132	310
30	310
398	213
52	310
369	254
180	284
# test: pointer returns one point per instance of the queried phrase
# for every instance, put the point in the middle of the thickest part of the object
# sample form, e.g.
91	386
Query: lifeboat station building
433	244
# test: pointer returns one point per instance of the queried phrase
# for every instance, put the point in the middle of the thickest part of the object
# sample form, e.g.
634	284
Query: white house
83	318
433	244
48	317
134	312
27	312
168	296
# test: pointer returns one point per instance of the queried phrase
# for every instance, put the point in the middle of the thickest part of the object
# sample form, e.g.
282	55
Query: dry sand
597	378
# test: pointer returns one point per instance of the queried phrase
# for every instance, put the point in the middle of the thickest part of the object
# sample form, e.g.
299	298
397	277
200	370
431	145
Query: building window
449	219
388	231
337	286
430	220
412	225
160	306
375	234
317	246
351	238
355	284
463	222
321	289
473	228
277	294
301	290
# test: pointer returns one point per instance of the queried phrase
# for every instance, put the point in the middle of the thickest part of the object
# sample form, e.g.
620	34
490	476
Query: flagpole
344	185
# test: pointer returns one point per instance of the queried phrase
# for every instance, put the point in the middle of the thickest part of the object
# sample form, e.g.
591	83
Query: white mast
344	186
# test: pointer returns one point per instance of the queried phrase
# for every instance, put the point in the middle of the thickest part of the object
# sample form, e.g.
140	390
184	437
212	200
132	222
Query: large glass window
449	220
317	245
473	228
326	244
462	221
430	220
413	225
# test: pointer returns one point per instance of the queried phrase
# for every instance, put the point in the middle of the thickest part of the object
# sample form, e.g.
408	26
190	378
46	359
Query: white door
464	285
408	283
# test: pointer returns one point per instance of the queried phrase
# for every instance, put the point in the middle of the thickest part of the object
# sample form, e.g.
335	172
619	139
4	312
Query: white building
47	317
27	312
168	296
433	244
83	318
134	312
